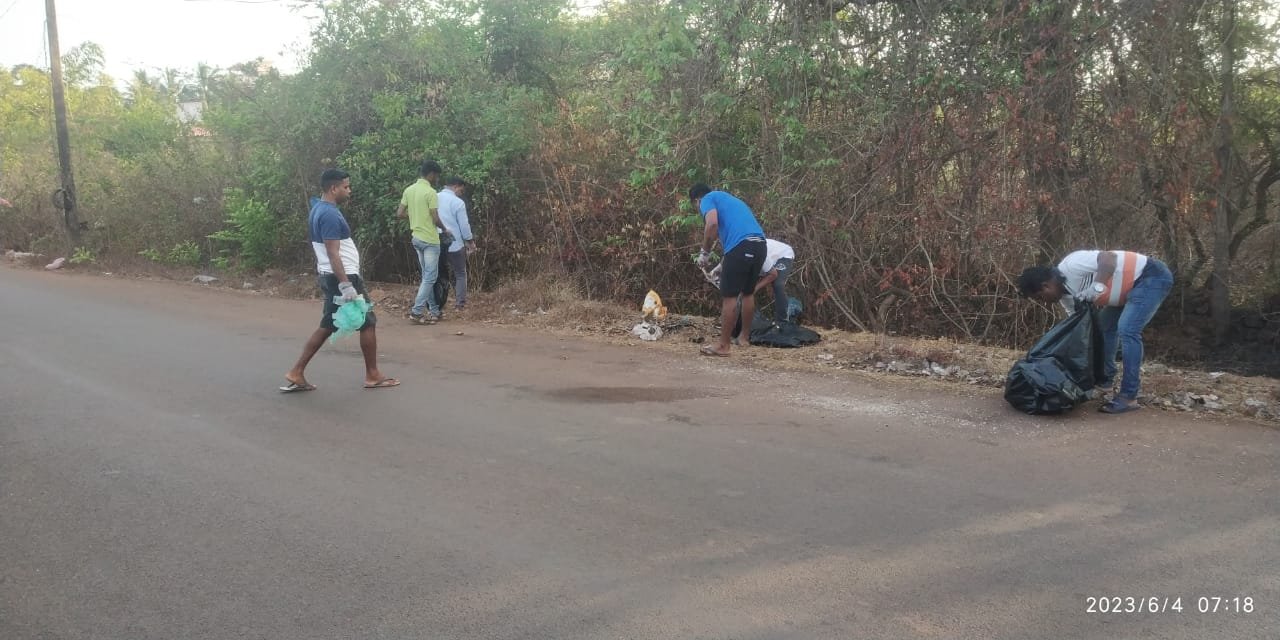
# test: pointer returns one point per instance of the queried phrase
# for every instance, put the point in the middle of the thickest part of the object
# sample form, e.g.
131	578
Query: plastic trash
1061	369
652	307
349	317
647	331
794	309
786	334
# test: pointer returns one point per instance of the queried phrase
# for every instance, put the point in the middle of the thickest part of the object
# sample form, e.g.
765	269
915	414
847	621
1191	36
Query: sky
154	34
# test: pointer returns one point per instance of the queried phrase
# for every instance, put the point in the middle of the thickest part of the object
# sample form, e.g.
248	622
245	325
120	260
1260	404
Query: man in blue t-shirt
338	262
742	240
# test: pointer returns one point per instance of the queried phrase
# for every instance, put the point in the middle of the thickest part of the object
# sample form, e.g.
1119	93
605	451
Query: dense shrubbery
916	154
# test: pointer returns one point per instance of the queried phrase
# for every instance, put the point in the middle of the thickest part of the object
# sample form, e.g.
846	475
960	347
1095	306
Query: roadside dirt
550	307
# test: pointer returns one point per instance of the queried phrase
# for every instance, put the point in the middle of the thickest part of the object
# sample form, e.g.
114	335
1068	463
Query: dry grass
555	304
550	303
547	301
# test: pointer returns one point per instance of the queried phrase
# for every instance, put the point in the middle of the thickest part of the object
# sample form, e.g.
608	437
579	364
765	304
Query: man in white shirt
1128	286
453	213
778	259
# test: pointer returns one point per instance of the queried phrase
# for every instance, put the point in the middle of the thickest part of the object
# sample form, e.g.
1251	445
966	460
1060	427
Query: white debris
20	256
647	331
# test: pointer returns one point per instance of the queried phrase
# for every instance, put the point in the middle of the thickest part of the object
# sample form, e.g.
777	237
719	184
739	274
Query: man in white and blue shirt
338	263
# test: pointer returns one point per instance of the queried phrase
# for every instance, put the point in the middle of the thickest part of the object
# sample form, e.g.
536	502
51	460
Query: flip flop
1114	407
711	351
384	383
294	387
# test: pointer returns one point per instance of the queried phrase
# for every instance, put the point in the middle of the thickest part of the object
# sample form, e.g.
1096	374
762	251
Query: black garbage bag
794	309
445	276
1061	368
785	334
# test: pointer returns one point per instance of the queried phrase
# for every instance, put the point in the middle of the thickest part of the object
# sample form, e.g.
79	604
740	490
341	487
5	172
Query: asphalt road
154	485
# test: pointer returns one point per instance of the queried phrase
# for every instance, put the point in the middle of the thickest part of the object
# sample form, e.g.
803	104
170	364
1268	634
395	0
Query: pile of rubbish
653	312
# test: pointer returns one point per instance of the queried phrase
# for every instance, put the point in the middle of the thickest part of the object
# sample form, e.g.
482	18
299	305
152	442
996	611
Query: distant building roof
189	112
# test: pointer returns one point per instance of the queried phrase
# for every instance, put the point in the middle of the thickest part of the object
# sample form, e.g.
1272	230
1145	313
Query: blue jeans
429	259
780	289
458	263
1125	325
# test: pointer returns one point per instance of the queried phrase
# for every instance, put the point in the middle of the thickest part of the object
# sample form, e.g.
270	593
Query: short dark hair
698	190
455	181
331	178
1033	280
429	167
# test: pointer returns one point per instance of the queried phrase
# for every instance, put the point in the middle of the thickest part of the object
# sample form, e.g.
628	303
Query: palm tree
142	83
207	77
173	82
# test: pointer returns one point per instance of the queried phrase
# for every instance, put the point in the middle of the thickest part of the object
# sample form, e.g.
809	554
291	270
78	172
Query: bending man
1128	286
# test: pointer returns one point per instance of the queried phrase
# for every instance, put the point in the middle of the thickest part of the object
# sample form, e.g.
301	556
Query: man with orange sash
1129	288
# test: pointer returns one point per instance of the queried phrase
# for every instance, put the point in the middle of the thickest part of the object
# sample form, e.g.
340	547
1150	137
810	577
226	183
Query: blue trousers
1125	324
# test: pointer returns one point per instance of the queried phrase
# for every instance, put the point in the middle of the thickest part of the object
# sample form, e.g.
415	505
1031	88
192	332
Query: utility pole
65	197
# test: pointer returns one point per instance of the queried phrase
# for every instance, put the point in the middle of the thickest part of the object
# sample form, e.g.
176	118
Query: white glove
348	291
704	259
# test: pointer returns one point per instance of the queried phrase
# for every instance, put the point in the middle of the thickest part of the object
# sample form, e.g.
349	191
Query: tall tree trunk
1221	293
1049	102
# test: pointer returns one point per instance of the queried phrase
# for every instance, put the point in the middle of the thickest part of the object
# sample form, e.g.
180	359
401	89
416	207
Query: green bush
83	255
252	227
185	254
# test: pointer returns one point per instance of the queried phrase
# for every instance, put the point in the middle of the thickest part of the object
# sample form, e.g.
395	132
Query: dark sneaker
433	318
418	318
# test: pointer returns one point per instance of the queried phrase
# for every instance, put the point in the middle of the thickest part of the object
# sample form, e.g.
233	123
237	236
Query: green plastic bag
350	317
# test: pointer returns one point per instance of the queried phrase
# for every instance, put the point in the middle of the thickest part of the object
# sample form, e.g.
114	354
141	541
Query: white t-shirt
775	251
346	250
1080	268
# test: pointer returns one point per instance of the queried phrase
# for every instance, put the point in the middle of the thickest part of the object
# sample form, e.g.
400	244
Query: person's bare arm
402	212
766	280
1106	266
710	230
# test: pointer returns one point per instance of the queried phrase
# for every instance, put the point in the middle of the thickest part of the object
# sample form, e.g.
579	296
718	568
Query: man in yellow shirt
420	204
